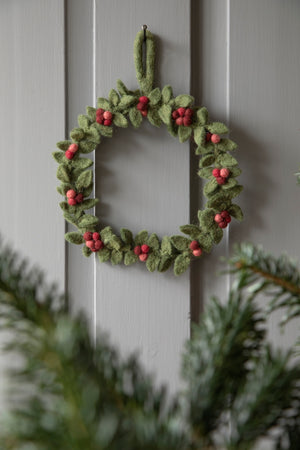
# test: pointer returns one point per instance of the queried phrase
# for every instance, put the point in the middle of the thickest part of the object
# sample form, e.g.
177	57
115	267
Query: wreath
183	121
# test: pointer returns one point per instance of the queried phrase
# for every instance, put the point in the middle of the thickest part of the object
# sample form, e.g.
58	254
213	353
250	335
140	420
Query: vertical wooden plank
143	183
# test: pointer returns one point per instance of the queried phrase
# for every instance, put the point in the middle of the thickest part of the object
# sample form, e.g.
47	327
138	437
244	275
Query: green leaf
206	173
207	160
236	212
230	183
181	264
216	234
77	134
210	187
86	146
141	237
106	234
234	191
63	174
63	145
126	101
204	149
89	203
205	242
227	144
113	97
165	112
164	264
74	237
153	241
235	171
184	100
202	116
130	258
59	157
226	160
191	230
199	135
104	130
103	103
120	120
81	163
91	112
152	262
166	246
86	251
167	94
92	134
83	121
122	88
154	118
155	96
84	180
217	128
115	242
206	218
135	117
184	133
88	220
70	218
180	242
104	254
116	257
126	236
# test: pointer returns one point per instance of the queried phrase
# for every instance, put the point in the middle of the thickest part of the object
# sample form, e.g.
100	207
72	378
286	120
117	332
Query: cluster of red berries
195	247
183	116
221	175
223	219
214	138
142	105
72	149
142	251
73	197
104	117
93	241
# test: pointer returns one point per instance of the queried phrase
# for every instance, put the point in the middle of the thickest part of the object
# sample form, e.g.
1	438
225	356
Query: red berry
71	193
144	99
228	219
107	115
107	122
216	172
197	252
224	214
223	224
96	236
69	154
73	148
221	180
98	244
224	173
143	257
215	138
79	198
144	113
175	114
88	236
137	250
90	244
187	121
99	119
194	245
141	106
100	112
145	248
181	112
72	201
179	121
189	112
218	218
208	136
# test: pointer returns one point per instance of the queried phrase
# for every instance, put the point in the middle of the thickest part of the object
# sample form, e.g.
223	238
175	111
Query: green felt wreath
183	121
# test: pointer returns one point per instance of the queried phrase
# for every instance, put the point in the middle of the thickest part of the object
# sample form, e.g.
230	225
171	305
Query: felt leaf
130	258
104	130
153	241
154	96
202	116
220	202
172	130
77	134
103	103
154	118
86	146
86	251
63	145
74	237
152	262
126	236
81	163
87	191
126	101
227	144
89	203
167	94
141	237
70	218
135	117
116	257
199	135
88	220
235	171
205	242
226	160
115	242
104	254
180	242
83	121
234	191
204	149
120	120
60	190
231	182
184	100
64	206
217	128
210	187
165	112
184	133
122	88
191	230
63	174
59	157
164	264
91	112
113	97
206	218
181	264
92	134
65	187
166	246
207	160
236	212
84	180
205	173
106	234
216	234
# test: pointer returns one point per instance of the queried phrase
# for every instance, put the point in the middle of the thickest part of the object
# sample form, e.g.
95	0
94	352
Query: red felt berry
69	154
79	198
224	173
98	244
71	193
137	250
88	236
145	248
90	244
197	252
107	122
100	112
187	121
194	245
96	236
73	148
107	115
144	99
224	214
216	172
141	106
144	113
175	114
208	136
215	138
221	180
228	219
72	201
223	224
181	112
143	257
189	112
218	218
100	120
179	121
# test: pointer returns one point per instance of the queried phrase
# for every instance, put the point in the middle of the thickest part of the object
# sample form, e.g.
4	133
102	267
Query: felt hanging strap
145	76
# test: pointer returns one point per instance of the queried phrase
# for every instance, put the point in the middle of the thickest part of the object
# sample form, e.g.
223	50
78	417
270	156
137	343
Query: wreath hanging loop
184	121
